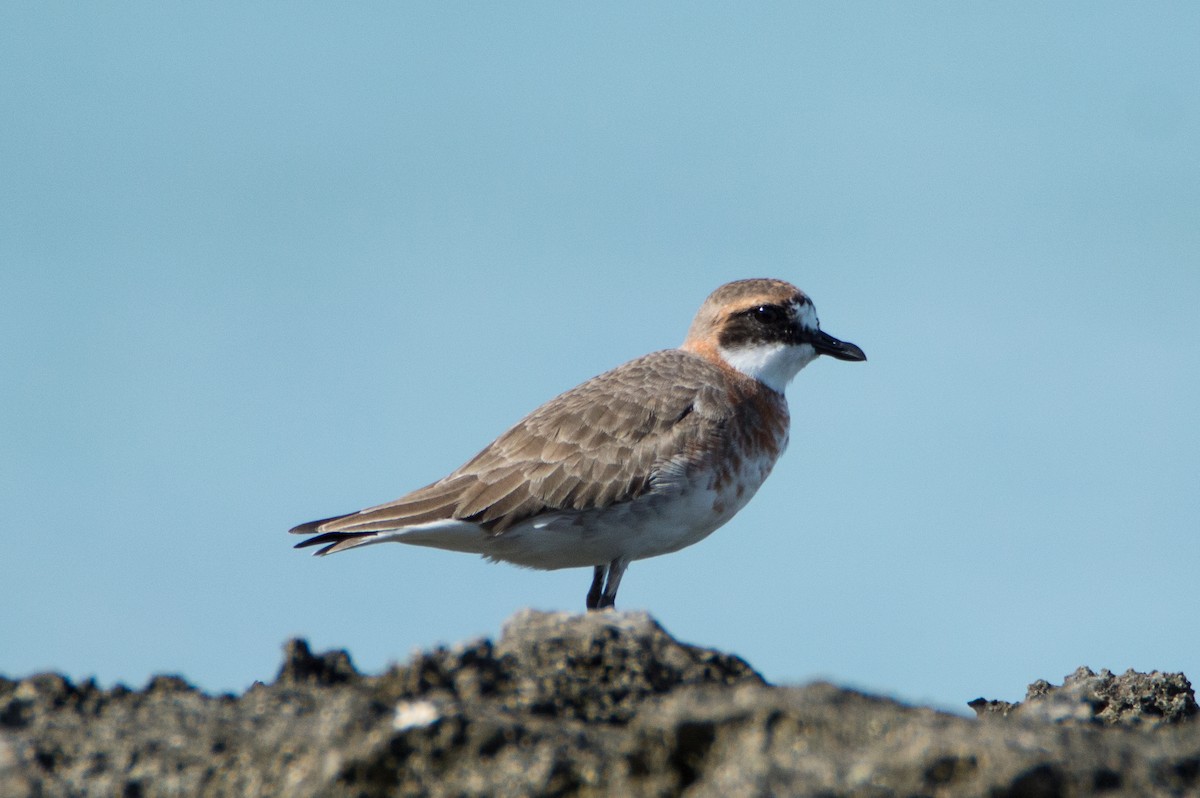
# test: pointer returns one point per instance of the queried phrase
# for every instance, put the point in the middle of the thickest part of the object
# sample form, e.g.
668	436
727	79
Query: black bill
826	344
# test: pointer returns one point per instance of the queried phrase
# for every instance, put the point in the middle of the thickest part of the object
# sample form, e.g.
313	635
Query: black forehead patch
767	323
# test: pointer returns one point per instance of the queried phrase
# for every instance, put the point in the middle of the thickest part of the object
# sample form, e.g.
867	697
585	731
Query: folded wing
607	441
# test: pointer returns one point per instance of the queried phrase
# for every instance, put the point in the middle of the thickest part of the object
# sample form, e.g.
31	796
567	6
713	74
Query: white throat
774	365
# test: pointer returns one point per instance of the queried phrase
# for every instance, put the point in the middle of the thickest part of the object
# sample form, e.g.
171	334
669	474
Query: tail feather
332	541
335	541
341	532
313	527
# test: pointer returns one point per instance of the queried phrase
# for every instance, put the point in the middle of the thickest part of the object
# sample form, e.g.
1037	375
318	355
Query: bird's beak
826	344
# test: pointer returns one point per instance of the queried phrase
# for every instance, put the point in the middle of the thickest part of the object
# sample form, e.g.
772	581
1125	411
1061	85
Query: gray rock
598	704
1132	699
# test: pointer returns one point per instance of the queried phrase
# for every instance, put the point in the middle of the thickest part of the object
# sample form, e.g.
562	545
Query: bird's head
765	329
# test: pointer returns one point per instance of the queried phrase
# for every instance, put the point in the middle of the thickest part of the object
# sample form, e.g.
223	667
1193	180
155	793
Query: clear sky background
263	264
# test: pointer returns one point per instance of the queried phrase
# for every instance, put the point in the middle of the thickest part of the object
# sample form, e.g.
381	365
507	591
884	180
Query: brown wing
604	442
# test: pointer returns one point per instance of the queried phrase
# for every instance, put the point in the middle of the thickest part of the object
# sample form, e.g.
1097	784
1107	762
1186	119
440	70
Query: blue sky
266	264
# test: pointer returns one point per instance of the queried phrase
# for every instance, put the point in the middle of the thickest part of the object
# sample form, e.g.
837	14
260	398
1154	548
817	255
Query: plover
640	461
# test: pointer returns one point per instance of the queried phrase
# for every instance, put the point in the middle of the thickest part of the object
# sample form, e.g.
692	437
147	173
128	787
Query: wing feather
604	442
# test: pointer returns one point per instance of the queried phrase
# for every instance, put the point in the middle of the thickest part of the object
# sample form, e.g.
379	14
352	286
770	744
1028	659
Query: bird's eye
768	314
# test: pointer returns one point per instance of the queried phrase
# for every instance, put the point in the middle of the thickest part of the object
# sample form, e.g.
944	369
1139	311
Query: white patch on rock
413	714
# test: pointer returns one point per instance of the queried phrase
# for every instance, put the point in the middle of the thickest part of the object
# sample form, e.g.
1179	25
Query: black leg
616	569
593	594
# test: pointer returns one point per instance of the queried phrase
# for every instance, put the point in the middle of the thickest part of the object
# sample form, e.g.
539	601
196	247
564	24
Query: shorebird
640	461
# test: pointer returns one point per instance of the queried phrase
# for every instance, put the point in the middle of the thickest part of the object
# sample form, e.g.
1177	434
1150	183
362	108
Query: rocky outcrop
599	704
1132	699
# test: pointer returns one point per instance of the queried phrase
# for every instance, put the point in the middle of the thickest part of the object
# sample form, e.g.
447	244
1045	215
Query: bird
642	460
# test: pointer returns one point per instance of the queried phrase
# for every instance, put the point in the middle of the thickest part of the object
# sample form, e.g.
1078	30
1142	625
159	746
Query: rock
1132	699
301	666
603	666
599	704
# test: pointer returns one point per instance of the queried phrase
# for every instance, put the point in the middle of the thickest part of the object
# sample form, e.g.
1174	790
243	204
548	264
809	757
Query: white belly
659	522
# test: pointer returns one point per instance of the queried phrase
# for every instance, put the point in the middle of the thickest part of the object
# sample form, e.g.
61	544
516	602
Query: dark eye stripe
767	323
768	314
